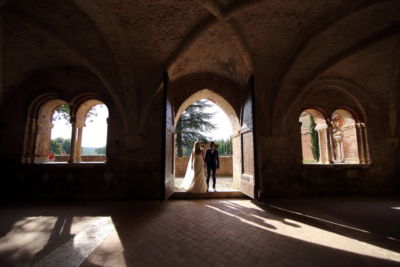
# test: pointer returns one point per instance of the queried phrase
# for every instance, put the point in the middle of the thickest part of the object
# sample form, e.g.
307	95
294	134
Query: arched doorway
242	139
231	180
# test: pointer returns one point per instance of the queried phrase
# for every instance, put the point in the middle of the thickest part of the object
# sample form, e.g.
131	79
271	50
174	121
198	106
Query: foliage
224	147
60	145
314	139
62	112
101	150
190	127
66	146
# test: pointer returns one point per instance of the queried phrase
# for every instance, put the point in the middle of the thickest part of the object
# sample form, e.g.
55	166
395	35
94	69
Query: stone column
360	143
322	146
27	153
73	141
78	157
367	159
329	145
43	141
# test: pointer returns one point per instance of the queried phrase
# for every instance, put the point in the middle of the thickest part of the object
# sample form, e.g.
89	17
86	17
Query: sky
224	127
95	132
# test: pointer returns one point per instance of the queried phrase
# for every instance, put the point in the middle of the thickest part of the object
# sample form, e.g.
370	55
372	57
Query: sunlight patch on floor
307	233
76	250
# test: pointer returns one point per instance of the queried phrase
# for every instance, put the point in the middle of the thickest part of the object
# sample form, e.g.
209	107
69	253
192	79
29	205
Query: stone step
223	194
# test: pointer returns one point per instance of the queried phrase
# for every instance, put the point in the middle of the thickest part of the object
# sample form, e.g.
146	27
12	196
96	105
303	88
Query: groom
212	162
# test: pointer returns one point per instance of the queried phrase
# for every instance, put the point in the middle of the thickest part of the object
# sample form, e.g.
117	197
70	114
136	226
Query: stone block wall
225	163
350	145
306	146
97	158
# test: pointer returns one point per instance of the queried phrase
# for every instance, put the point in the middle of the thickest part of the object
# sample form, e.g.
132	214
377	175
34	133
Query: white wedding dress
194	180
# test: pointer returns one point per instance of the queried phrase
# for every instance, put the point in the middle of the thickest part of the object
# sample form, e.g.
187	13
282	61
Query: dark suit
212	161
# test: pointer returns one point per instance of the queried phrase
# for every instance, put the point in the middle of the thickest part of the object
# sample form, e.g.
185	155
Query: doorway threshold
208	195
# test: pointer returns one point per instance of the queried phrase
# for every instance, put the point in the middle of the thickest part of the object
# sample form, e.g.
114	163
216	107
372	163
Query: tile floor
281	232
223	184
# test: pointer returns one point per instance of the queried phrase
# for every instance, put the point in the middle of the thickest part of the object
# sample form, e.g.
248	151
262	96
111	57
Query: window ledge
337	166
68	165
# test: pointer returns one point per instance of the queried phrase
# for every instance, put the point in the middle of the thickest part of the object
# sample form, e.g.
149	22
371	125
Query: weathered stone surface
326	55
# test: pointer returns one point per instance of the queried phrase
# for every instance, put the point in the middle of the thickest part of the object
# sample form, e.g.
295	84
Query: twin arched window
337	139
58	132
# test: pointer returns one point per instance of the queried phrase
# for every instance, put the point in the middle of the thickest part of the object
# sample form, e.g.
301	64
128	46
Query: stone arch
182	89
73	84
215	98
349	139
352	97
108	84
81	107
38	127
318	115
307	134
234	120
298	76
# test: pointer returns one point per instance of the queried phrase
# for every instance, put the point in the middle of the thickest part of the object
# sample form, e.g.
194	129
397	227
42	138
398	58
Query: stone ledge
188	195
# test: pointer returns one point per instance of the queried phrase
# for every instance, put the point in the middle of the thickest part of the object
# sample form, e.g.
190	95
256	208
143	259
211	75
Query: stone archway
79	124
38	129
234	120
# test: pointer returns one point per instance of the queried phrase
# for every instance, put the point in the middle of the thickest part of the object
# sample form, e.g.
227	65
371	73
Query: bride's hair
195	148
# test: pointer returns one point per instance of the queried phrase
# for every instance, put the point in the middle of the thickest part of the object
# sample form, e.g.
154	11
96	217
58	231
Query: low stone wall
96	158
225	163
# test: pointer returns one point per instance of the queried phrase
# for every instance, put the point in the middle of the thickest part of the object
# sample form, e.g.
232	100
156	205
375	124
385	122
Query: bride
194	180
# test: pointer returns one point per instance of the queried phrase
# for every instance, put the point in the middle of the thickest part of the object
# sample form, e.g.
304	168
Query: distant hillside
87	151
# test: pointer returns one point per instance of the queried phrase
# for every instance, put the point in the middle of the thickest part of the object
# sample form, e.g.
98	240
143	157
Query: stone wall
306	146
350	145
97	158
225	163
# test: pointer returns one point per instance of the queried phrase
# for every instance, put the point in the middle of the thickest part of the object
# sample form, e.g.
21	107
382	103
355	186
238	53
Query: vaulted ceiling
129	43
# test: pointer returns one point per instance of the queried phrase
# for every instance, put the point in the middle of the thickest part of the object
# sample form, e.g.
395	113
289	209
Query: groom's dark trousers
212	162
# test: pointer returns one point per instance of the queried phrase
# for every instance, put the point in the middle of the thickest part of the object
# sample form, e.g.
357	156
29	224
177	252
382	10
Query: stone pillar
27	153
73	141
43	140
322	146
329	145
78	149
360	144
367	159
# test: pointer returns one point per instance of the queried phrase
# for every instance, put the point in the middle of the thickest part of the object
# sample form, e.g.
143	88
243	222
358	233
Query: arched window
349	143
91	132
48	136
313	136
342	140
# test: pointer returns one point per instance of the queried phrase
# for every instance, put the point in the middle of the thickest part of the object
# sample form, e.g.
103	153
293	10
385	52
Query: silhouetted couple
194	180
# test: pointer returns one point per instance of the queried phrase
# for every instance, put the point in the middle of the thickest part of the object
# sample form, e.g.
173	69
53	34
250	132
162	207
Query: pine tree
314	139
190	127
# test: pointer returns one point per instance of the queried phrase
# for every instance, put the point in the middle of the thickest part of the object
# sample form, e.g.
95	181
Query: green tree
101	150
224	147
190	127
62	112
314	139
56	146
60	145
66	146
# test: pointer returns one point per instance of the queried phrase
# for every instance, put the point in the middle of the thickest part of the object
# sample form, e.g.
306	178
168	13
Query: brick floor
280	232
223	184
